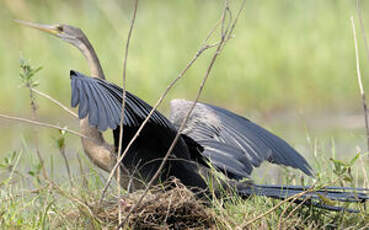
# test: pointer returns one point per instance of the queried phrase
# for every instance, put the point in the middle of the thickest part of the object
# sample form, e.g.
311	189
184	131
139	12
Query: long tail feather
317	198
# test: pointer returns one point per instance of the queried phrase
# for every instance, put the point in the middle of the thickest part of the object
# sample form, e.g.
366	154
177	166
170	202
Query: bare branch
42	124
34	117
55	101
236	19
124	102
365	109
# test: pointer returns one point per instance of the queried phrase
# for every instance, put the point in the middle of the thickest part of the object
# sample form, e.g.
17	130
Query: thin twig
55	101
295	209
360	82
124	102
35	137
62	152
362	28
275	207
281	221
82	171
217	52
42	124
159	101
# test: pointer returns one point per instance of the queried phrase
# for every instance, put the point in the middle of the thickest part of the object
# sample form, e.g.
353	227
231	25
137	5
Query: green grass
31	202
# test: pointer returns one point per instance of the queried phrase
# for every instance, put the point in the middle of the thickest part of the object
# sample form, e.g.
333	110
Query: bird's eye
60	28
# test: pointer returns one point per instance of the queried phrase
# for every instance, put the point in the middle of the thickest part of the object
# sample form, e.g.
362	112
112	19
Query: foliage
27	72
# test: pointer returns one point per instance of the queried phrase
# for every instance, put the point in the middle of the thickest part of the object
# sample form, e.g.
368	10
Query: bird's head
68	33
74	36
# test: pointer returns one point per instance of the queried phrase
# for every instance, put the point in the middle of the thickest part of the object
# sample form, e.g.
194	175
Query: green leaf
35	84
60	142
352	162
326	200
38	69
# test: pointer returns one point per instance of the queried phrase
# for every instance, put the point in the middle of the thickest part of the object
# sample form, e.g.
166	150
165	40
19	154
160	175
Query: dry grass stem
362	28
70	196
281	219
360	82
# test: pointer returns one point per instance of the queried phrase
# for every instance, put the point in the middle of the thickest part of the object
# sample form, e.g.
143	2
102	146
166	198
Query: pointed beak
51	29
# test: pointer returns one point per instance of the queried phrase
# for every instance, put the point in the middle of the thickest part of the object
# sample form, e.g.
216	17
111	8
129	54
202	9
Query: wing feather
83	109
102	108
93	116
75	94
227	158
102	102
114	110
211	125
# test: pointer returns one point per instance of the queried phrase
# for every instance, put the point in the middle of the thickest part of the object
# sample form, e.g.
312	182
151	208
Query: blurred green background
289	67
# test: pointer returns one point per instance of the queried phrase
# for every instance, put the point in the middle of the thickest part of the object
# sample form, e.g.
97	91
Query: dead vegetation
161	208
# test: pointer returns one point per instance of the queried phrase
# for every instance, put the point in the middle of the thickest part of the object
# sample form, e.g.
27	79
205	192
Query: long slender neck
96	148
93	61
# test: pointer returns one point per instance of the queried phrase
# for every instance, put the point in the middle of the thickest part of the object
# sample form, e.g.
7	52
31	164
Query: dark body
148	150
101	102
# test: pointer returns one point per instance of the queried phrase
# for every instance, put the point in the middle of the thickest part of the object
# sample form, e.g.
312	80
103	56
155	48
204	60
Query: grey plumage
211	125
102	101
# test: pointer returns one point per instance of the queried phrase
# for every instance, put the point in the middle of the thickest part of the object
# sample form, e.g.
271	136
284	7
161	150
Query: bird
213	137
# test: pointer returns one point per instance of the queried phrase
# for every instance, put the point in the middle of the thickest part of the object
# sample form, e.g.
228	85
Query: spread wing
102	102
233	143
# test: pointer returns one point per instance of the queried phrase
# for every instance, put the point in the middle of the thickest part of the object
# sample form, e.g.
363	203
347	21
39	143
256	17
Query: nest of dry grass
176	208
